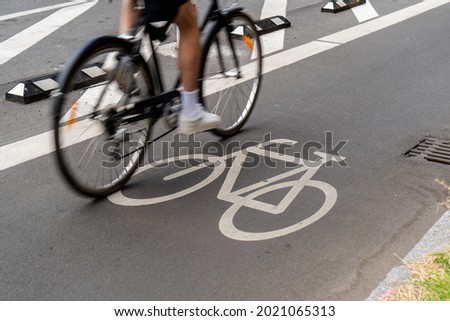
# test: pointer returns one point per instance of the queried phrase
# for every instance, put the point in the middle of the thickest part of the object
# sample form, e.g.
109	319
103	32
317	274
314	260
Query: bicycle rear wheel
231	72
97	149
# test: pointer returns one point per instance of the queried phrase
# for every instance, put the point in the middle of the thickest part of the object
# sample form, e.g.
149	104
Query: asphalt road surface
364	85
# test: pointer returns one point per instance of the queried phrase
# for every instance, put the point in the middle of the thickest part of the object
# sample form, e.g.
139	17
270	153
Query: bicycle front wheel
97	148
231	72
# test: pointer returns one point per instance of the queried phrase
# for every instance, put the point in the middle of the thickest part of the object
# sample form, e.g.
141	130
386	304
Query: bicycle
103	120
245	196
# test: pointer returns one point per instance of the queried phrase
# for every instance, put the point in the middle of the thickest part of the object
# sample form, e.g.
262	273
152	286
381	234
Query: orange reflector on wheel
248	41
72	115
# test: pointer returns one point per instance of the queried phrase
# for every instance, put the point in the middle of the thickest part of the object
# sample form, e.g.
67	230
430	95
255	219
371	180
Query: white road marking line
32	35
42	9
43	144
288	57
273	41
34	147
372	26
26	150
365	12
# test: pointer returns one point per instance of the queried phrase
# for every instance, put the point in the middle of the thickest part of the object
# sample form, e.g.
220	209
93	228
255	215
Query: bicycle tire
96	150
224	89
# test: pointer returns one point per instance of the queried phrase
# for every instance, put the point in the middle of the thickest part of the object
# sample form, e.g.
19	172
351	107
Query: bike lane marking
226	223
238	198
25	39
21	151
119	199
228	228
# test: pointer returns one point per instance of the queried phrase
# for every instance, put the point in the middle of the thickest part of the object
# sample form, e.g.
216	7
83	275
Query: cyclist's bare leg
129	16
193	118
189	48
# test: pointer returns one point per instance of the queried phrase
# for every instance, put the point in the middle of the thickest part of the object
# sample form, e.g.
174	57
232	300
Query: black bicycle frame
154	106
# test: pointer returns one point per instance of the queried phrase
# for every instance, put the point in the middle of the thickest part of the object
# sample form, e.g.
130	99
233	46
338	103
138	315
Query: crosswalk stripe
42	9
32	35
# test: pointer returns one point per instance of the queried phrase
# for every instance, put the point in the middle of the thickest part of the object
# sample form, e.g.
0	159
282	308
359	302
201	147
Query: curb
33	90
433	240
40	88
336	6
271	24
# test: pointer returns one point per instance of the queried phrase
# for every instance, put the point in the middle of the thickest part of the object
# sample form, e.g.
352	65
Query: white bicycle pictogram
246	197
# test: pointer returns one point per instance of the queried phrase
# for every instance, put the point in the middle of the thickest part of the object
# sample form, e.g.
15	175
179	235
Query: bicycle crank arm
152	107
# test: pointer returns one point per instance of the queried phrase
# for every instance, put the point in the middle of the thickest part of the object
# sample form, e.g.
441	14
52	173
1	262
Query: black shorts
162	10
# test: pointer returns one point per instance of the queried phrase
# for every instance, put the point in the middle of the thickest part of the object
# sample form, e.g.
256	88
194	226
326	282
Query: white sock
125	35
189	101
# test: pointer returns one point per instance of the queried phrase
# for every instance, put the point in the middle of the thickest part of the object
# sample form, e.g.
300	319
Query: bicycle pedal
172	113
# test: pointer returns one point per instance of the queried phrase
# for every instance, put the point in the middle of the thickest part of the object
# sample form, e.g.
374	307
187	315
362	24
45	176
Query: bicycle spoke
231	74
90	148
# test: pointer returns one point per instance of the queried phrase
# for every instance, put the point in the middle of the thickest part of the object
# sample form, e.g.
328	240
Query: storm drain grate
432	149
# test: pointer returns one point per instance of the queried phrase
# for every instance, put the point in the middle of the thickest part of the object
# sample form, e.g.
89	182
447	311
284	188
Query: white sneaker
203	122
110	61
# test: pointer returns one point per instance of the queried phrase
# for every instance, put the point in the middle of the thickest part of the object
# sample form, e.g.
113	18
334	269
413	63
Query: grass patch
429	280
438	284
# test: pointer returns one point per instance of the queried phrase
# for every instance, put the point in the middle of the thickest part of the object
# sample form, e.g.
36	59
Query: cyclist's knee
186	18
